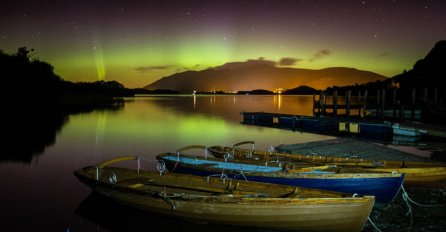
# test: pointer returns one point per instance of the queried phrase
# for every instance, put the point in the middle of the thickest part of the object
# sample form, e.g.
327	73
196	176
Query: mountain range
261	74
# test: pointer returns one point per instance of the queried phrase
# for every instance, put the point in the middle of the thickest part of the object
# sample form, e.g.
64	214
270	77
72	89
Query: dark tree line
31	83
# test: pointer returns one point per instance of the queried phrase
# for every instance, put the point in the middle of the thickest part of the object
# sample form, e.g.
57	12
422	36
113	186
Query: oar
309	169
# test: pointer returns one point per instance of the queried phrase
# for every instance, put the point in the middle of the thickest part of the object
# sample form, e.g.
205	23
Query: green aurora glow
137	43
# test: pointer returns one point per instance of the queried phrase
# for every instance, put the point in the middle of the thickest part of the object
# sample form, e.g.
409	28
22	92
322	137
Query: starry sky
137	42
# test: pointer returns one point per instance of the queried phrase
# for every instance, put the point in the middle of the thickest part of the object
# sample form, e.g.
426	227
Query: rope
368	218
373	224
409	207
408	199
167	199
206	153
242	174
222	176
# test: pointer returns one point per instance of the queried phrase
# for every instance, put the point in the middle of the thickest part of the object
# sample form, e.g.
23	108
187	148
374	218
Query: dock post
335	103
314	103
347	110
414	91
364	108
359	102
401	113
324	103
383	102
394	105
378	103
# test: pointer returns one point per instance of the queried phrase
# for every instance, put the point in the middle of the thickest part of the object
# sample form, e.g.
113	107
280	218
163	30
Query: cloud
382	56
152	68
319	55
247	64
288	61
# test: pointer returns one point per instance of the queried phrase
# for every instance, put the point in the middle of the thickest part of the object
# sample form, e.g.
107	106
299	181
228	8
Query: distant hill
301	90
261	74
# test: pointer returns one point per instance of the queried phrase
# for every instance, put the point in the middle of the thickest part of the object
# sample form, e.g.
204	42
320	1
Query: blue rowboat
384	186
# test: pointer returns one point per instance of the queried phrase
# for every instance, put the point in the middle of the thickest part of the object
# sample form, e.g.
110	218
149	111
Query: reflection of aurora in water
144	126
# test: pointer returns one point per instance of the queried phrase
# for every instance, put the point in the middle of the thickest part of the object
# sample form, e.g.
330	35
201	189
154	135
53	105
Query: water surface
40	192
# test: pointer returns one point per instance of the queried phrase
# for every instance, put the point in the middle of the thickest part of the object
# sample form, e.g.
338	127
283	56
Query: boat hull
293	215
426	174
334	213
383	186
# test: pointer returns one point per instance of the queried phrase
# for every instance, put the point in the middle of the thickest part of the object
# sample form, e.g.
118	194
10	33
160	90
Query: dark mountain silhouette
423	87
430	71
301	90
260	74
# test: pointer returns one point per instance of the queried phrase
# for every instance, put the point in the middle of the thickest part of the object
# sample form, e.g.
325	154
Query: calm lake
40	193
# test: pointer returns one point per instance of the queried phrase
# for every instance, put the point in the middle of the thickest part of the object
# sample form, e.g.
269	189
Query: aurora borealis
138	42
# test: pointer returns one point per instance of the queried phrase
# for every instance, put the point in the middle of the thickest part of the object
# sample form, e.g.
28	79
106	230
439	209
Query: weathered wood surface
432	174
221	201
348	147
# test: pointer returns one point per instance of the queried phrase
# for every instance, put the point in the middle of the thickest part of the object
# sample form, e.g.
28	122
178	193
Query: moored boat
228	201
428	174
384	186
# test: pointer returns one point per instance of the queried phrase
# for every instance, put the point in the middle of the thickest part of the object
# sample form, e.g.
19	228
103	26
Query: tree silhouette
33	83
23	54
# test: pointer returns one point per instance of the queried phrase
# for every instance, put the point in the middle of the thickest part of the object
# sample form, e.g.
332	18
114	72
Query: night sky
138	42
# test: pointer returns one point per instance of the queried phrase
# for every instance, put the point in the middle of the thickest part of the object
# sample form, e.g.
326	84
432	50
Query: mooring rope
368	218
408	200
373	224
442	191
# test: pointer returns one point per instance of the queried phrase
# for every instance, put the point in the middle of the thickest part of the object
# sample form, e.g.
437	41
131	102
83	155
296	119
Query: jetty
385	104
340	126
376	113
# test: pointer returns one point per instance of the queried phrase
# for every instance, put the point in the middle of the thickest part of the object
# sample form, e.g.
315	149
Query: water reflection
100	213
229	107
27	134
277	99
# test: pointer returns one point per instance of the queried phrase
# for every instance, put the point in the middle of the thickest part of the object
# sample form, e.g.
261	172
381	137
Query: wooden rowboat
428	174
227	201
384	186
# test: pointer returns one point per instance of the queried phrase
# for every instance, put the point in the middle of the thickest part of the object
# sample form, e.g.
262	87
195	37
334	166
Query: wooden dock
338	126
427	129
377	106
348	148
